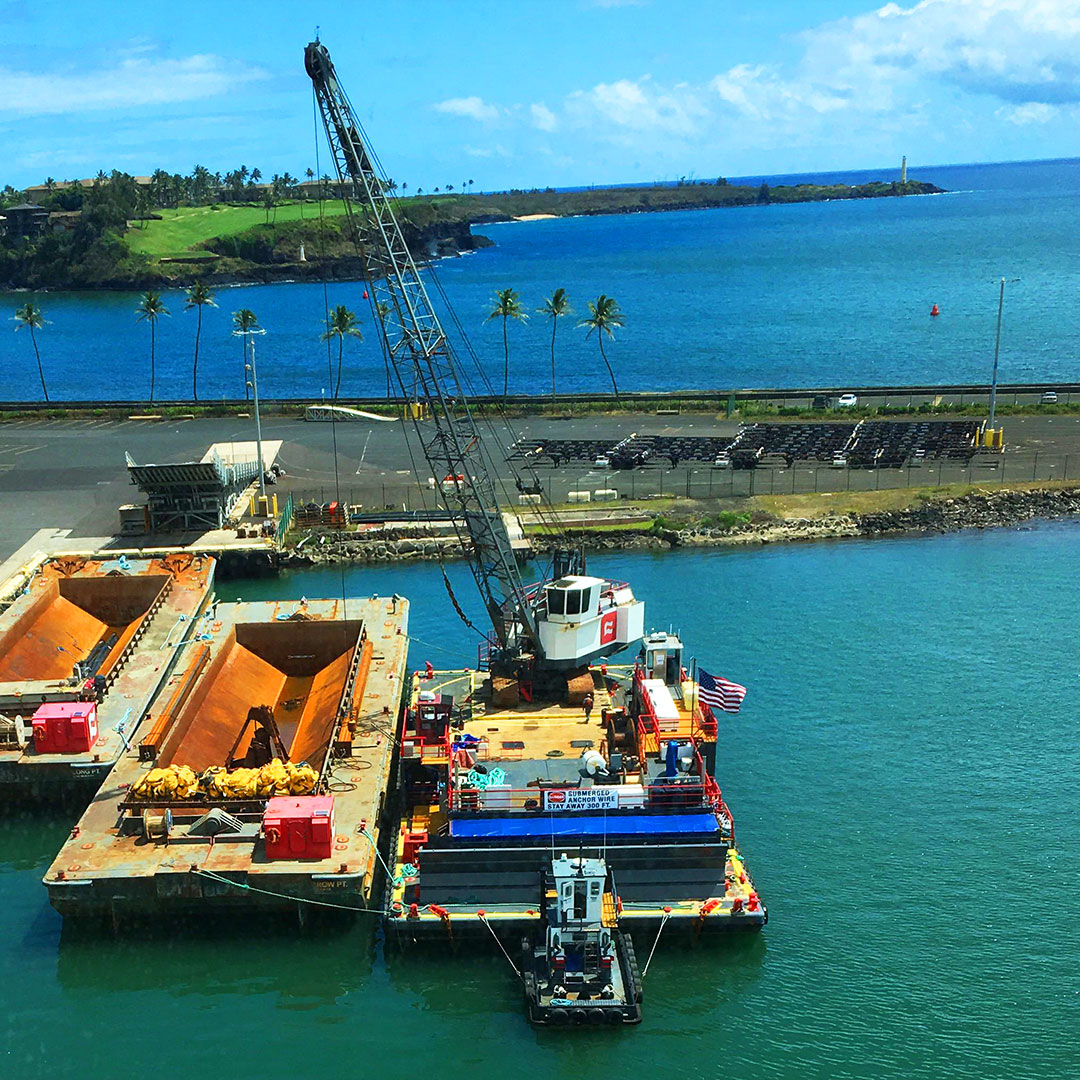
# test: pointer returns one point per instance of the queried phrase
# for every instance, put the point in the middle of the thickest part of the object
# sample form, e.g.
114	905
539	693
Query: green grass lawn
180	230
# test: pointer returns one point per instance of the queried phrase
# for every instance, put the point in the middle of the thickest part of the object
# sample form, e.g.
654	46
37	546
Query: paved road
70	474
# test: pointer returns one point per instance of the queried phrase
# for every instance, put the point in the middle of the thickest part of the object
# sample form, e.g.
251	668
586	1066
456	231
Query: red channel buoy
365	296
934	310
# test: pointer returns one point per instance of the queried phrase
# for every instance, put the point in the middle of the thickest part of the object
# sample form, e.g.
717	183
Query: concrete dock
330	676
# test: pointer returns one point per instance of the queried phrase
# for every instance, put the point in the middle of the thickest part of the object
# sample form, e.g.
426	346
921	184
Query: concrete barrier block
579	496
605	495
528	500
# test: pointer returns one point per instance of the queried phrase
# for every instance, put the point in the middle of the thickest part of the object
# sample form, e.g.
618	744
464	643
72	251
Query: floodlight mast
425	369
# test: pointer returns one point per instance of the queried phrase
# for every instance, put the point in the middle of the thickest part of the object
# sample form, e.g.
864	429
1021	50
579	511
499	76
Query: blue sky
561	92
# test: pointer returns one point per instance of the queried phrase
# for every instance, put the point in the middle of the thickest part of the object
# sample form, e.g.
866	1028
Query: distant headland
125	232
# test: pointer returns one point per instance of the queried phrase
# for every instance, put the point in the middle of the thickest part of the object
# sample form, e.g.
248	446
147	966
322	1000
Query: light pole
997	349
253	382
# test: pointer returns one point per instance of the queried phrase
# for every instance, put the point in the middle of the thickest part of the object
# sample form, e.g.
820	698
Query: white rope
663	923
500	944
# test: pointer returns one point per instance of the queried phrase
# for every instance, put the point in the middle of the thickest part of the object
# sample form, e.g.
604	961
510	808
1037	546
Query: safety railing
424	747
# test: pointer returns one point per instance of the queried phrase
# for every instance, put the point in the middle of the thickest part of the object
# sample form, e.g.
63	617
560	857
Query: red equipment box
414	841
65	727
299	826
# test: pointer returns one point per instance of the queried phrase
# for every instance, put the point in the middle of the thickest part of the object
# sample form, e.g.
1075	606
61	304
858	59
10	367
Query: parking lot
71	474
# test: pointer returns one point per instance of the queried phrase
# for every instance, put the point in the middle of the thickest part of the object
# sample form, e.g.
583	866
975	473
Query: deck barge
94	637
494	794
259	781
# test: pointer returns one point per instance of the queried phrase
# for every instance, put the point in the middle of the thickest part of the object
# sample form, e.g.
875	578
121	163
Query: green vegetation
183	230
123	233
604	315
507	307
341	324
556	307
30	317
198	297
151	308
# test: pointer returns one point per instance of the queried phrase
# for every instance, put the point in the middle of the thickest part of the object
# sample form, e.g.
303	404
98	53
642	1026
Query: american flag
719	693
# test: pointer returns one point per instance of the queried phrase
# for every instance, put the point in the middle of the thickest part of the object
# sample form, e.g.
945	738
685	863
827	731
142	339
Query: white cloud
542	117
473	107
137	81
1031	112
639	106
1017	50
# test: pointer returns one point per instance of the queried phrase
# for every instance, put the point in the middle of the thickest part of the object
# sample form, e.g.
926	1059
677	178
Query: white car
847	401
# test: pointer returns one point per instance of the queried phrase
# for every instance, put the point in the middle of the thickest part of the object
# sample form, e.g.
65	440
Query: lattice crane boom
424	365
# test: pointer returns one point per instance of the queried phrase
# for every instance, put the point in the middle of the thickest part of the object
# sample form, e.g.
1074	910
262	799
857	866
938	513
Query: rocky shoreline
981	510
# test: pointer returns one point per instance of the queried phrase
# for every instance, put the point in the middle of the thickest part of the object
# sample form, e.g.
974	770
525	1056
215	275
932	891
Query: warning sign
594	798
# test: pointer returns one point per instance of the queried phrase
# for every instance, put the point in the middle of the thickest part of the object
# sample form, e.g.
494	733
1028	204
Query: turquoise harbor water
903	779
823	293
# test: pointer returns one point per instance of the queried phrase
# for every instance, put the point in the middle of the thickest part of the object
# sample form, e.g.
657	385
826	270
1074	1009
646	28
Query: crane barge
547	798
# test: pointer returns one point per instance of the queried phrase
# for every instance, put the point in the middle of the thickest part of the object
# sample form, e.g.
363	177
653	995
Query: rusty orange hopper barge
259	779
84	647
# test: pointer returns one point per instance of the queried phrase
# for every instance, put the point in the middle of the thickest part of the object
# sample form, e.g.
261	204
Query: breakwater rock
981	510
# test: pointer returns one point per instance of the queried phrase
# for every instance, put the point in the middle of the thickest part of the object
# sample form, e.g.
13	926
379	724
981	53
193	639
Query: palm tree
198	297
555	307
383	310
246	323
507	307
150	309
604	316
342	322
30	316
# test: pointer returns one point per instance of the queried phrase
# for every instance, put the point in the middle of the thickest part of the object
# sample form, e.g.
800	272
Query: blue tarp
559	824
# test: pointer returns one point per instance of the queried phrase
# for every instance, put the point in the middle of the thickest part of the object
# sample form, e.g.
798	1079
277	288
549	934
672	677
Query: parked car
847	401
1049	398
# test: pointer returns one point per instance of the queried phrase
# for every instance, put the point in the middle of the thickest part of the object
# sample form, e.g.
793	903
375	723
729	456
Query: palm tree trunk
614	385
506	361
195	365
151	361
41	373
340	347
554	327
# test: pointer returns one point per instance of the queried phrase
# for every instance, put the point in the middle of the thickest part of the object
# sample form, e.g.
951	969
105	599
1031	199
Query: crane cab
581	618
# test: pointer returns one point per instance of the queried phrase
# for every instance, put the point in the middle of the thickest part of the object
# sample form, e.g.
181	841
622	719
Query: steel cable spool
156	824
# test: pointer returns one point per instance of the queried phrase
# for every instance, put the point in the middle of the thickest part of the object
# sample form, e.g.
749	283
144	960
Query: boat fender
613	1017
558	1017
577	1015
596	1016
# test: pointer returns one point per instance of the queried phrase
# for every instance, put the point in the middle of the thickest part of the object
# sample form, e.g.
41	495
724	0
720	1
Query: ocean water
903	779
774	296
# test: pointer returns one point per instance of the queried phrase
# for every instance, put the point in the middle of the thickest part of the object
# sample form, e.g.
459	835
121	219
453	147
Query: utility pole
253	382
997	350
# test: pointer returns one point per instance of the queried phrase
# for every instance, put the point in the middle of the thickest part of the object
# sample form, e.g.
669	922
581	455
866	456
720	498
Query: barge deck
492	794
260	782
94	637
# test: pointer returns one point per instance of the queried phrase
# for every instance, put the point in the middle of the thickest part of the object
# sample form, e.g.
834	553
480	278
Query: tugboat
580	968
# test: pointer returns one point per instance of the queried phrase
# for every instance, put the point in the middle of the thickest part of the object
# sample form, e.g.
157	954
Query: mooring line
480	915
663	923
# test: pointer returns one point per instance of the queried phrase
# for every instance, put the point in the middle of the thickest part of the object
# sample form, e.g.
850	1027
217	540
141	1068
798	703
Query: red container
299	826
414	841
65	727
